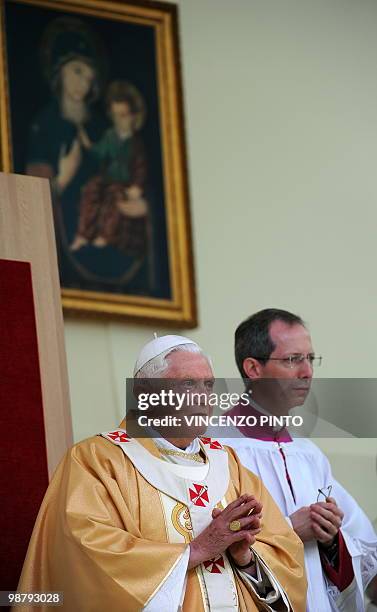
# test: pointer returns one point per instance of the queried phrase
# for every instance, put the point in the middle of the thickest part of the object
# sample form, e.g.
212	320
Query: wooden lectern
35	417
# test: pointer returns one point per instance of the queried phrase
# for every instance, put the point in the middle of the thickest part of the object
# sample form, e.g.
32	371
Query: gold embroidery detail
193	456
181	520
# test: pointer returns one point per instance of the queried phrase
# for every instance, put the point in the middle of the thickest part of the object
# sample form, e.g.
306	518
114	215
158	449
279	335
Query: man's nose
202	392
306	369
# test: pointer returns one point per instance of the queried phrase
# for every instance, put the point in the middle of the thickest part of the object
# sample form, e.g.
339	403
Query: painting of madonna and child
86	112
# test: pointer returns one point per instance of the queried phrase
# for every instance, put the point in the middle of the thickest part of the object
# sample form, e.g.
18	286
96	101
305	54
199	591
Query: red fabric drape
23	459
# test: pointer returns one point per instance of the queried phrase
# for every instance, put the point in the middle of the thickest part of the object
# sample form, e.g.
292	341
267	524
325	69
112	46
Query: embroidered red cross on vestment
215	565
199	495
212	443
118	436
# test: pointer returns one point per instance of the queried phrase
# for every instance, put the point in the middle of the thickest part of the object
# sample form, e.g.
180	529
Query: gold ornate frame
180	310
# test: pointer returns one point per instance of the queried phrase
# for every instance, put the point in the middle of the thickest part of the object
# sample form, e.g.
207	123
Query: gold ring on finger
235	526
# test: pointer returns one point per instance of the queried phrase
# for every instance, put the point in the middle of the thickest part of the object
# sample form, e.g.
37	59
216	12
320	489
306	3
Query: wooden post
27	235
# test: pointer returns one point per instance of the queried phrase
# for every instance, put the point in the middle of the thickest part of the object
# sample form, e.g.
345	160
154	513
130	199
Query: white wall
281	118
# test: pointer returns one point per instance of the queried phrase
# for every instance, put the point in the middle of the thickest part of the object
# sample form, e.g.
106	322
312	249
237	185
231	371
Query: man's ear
252	367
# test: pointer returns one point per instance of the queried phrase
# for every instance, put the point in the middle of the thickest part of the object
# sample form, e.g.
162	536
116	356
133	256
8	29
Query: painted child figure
113	209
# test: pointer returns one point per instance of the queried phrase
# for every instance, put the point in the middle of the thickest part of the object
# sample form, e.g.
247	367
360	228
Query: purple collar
258	432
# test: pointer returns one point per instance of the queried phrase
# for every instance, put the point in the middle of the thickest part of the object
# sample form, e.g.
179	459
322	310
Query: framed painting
91	99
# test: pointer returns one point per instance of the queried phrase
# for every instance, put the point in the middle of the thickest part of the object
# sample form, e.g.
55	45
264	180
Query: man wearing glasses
274	355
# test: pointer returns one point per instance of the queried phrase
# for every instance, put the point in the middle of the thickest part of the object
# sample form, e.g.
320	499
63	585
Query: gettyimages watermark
182	404
265	409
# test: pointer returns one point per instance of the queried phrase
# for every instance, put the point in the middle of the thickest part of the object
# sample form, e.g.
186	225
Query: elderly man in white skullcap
161	525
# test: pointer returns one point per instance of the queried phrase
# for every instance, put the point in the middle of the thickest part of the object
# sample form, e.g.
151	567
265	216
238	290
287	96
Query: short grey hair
157	366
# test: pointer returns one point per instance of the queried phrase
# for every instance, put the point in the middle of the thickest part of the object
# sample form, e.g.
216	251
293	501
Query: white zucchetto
157	346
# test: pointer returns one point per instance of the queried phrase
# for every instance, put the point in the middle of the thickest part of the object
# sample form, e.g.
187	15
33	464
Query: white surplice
310	470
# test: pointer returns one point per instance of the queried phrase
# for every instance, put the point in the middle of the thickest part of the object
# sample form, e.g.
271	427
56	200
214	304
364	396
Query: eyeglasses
293	361
325	492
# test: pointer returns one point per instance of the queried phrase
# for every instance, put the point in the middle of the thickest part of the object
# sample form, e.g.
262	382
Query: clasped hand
320	521
218	537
